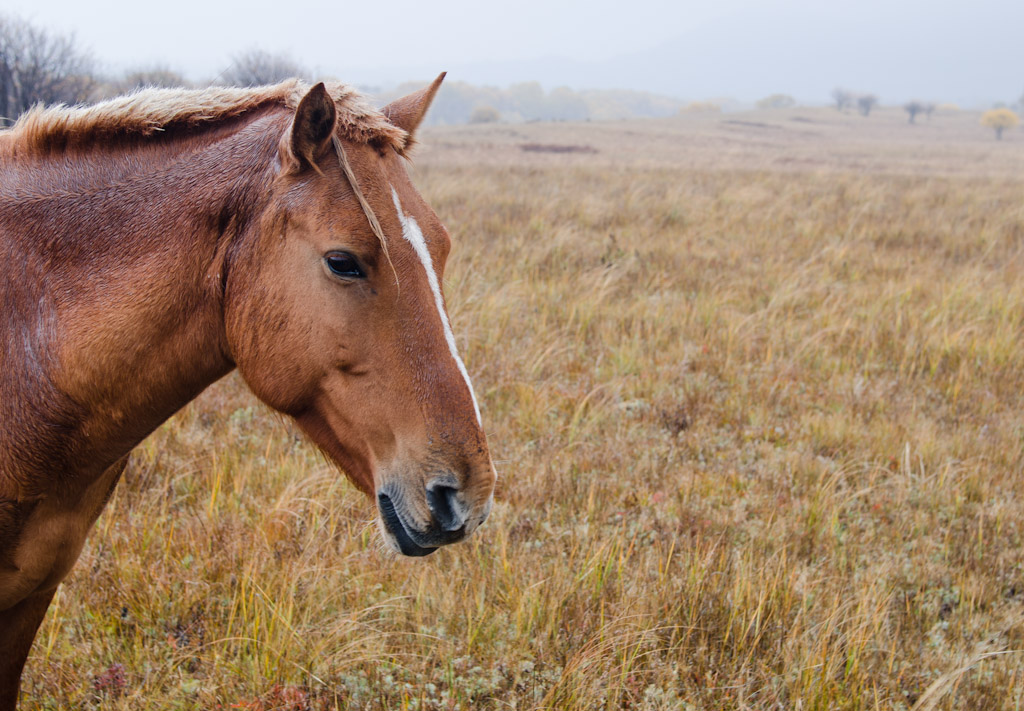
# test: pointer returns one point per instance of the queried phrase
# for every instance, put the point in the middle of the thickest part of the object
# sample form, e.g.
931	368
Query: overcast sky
967	51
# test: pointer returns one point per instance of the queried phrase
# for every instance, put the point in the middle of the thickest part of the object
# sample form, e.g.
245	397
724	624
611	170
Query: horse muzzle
450	518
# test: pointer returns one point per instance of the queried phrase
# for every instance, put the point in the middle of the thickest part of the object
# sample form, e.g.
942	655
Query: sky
971	52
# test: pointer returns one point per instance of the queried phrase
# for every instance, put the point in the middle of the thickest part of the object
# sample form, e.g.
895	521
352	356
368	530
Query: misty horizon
740	50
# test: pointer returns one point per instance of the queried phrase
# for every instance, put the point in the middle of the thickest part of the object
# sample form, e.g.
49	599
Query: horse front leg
42	546
18	626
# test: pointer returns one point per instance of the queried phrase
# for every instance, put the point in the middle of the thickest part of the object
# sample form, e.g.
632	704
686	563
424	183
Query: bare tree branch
842	98
37	66
913	108
866	102
257	67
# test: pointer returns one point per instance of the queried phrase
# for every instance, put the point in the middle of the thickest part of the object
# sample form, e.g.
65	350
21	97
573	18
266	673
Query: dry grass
760	441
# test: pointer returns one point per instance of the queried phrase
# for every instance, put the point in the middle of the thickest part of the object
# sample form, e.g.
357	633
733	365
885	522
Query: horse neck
126	256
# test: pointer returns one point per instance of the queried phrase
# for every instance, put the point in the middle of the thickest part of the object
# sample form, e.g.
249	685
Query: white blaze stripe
411	232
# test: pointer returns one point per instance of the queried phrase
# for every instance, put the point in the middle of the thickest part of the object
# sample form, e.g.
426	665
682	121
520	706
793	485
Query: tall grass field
754	388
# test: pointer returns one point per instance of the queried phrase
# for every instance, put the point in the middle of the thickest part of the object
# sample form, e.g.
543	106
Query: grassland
754	391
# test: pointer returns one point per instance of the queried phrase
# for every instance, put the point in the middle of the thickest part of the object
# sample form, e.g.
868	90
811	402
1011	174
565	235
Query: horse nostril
444	504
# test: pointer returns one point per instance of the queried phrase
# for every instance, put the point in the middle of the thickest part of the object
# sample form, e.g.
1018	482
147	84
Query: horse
154	243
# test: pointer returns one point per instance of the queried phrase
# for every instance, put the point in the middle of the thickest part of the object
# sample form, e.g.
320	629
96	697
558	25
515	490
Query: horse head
334	315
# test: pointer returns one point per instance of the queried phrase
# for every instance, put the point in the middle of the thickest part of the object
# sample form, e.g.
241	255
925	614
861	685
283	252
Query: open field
754	388
790	140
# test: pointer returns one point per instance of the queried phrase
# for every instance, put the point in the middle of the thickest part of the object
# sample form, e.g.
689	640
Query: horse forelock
149	113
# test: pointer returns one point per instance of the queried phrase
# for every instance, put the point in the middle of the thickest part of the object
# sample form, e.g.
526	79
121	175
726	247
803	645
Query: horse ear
408	112
313	125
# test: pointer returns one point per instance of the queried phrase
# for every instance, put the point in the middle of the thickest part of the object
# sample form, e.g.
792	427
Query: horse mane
152	112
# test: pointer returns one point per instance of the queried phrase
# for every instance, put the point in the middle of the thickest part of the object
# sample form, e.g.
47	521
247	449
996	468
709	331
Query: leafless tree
37	66
842	98
257	67
157	76
866	102
913	108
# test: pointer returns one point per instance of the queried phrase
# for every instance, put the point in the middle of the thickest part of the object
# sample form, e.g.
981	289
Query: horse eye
344	265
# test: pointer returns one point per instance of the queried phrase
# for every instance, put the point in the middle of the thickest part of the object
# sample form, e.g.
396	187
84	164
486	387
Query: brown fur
149	267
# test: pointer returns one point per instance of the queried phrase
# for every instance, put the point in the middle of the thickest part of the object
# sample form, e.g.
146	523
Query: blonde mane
150	112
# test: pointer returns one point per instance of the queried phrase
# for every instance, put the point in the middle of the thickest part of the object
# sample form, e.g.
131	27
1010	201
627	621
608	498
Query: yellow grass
759	434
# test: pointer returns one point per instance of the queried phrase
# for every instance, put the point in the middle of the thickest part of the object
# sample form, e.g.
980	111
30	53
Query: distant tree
777	101
454	102
913	108
616	104
152	76
484	114
257	67
866	102
947	108
842	98
528	100
39	67
563	104
999	120
929	109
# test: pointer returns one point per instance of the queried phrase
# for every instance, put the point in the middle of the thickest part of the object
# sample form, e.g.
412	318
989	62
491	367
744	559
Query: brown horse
155	242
